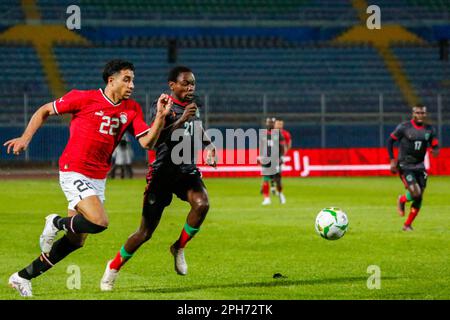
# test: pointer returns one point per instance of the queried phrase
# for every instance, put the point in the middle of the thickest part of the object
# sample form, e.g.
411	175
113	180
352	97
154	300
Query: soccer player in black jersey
414	138
167	177
271	161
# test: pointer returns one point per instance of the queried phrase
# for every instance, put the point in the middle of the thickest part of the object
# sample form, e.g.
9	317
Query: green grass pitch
242	245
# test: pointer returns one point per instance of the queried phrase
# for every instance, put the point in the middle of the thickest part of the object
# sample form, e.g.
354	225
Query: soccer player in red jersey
414	138
99	120
279	124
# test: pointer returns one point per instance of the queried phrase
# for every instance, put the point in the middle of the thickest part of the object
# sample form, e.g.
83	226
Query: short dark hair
175	72
115	66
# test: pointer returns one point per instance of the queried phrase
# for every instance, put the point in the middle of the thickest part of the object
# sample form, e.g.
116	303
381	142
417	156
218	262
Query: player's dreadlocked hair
115	66
175	72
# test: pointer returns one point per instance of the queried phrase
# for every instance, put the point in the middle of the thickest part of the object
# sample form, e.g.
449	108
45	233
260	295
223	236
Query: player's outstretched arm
164	104
21	143
390	147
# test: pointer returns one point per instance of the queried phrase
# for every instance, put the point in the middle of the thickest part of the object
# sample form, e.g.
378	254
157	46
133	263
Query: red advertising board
319	162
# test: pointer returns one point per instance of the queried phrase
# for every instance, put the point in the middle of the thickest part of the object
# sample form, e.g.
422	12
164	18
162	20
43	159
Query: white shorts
76	187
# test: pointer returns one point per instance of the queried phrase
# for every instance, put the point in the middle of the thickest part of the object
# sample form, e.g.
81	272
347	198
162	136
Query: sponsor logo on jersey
99	113
123	118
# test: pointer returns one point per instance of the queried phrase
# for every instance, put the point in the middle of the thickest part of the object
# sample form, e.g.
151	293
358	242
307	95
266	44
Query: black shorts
269	171
410	177
275	176
162	184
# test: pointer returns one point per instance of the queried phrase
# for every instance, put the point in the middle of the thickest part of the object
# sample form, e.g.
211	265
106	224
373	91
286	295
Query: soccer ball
331	223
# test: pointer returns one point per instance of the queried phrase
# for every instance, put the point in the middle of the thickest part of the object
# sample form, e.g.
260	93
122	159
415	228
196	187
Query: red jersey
287	137
96	128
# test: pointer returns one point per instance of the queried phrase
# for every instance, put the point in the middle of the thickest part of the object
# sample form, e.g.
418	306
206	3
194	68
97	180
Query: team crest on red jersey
123	118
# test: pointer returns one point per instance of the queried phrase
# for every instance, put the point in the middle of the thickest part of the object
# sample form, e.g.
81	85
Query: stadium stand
203	9
415	10
307	61
10	13
303	10
23	74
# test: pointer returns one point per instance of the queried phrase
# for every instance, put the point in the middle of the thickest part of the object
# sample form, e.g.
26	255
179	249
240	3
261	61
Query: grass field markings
375	238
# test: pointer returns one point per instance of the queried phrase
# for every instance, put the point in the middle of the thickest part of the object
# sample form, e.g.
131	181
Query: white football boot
266	202
282	198
179	260
23	286
108	279
48	234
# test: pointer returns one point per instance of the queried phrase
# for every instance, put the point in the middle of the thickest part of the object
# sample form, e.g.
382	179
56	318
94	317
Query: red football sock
403	199
187	234
121	257
184	238
117	262
265	189
412	215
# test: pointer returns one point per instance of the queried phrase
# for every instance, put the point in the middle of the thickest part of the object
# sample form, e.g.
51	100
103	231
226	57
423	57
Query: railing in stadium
316	120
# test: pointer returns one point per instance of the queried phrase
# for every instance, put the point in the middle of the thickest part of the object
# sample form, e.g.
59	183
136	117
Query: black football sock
59	251
77	224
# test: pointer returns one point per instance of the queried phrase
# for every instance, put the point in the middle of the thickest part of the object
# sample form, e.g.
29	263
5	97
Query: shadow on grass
265	284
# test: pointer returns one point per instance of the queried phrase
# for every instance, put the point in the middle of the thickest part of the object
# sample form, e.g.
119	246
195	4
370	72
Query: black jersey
413	143
186	139
271	151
